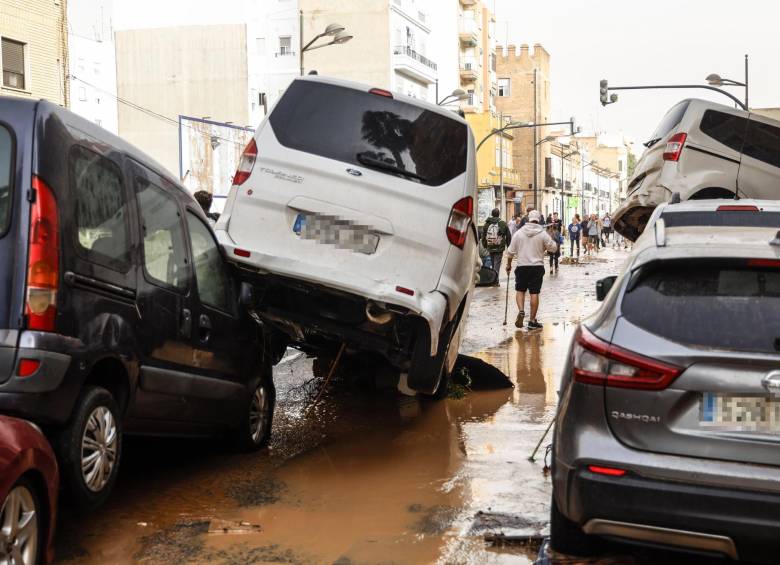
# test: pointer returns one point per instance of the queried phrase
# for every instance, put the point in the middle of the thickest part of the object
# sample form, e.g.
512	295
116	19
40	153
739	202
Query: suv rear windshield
369	130
6	168
729	305
743	219
670	121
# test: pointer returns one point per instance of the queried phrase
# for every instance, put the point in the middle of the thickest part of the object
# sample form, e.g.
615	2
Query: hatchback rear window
744	219
670	120
6	168
371	131
722	305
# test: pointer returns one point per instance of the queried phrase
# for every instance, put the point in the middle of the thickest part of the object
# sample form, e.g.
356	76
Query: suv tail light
246	164
674	146
597	362
737	208
43	269
460	219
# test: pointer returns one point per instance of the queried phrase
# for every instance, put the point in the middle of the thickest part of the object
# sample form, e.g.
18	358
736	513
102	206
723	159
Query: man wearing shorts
529	246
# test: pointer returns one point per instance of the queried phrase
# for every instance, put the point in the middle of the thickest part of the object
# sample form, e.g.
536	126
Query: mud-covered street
365	476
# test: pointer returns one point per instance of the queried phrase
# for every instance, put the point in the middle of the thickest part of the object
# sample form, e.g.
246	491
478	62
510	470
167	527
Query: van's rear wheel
444	375
254	429
90	448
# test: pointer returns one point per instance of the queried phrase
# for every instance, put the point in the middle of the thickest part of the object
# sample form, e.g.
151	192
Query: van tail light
737	208
381	92
43	268
608	471
246	164
460	219
674	147
599	363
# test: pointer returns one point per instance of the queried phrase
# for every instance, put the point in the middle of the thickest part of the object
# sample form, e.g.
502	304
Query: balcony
468	33
468	2
468	70
409	62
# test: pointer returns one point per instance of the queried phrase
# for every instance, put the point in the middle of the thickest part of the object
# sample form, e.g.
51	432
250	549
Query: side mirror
246	296
604	286
487	277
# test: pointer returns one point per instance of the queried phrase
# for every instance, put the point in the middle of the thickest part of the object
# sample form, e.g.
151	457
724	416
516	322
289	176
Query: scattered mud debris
256	491
181	543
433	519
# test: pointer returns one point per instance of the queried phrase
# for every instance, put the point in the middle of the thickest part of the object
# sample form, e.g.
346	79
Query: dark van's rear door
16	127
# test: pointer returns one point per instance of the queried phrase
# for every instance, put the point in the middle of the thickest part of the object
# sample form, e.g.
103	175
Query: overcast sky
630	43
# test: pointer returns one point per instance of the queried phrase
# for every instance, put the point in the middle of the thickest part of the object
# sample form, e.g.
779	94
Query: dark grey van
117	311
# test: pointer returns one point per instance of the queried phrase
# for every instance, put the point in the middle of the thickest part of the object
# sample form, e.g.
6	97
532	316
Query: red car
29	481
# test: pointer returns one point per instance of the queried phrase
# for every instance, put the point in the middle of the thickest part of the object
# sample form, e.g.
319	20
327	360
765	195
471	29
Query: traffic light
604	92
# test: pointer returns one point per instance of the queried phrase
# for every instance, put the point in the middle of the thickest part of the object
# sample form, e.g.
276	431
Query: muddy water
364	477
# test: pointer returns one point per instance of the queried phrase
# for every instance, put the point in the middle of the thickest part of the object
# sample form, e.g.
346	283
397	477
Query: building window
504	86
493	62
620	166
470	100
260	46
82	94
285	45
13	63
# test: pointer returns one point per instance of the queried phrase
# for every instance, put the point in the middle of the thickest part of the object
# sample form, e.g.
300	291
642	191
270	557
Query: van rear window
6	169
371	131
670	120
728	305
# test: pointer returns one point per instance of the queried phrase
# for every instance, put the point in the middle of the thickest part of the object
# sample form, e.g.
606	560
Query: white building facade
414	72
92	61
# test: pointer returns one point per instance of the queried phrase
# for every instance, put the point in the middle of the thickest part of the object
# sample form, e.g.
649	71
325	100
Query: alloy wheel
258	413
98	448
19	528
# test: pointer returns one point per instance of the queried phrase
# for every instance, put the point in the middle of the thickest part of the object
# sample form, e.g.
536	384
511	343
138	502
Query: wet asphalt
366	476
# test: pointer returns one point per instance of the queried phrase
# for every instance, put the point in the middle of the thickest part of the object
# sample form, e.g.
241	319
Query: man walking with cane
529	245
495	238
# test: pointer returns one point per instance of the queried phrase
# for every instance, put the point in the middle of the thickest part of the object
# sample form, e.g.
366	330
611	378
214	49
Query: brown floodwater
365	477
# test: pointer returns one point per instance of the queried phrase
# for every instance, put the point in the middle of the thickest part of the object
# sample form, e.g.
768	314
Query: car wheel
21	527
254	430
568	538
443	388
90	449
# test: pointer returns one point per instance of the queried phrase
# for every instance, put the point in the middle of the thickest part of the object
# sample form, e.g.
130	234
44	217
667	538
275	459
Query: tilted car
352	211
668	431
117	311
29	481
702	150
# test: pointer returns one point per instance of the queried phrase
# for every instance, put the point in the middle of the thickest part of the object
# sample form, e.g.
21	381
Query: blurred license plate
740	413
334	231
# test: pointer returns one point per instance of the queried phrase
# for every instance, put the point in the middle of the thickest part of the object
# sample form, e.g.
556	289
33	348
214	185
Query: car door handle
771	382
204	328
185	325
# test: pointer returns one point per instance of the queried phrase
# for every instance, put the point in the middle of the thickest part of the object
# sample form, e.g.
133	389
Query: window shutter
13	56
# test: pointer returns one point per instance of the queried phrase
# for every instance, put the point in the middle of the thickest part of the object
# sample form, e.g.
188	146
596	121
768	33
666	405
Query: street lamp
457	95
337	31
717	80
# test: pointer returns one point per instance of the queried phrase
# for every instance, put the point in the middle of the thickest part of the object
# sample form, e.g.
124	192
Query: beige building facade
523	81
476	37
197	71
34	45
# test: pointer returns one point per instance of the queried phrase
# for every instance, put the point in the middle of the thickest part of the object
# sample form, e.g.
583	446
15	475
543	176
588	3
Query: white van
353	211
703	150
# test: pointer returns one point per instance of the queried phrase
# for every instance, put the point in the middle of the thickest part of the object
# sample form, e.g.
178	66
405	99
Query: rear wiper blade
652	142
369	161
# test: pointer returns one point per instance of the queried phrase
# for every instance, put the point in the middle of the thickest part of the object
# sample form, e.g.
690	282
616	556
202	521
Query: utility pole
746	82
501	166
536	147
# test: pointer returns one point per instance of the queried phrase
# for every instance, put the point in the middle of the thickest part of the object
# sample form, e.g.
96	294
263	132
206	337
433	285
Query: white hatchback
352	211
702	150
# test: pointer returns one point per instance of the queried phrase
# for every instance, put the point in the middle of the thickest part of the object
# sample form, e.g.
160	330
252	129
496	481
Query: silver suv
669	425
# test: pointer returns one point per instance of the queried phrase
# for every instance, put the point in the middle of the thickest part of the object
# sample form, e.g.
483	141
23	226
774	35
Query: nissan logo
354	172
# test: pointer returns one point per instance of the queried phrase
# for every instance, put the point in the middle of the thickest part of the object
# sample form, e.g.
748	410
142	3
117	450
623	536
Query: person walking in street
529	246
524	219
514	225
606	223
554	231
495	238
574	235
557	222
205	199
593	233
584	226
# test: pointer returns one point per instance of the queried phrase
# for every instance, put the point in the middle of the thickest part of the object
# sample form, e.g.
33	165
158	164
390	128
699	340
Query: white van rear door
759	174
352	189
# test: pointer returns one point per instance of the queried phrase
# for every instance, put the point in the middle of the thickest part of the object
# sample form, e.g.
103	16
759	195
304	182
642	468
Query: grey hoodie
530	244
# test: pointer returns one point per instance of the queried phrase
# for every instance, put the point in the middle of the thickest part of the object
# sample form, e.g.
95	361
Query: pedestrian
524	219
514	225
606	222
574	235
529	247
496	238
557	221
593	233
555	233
584	226
484	254
549	220
205	199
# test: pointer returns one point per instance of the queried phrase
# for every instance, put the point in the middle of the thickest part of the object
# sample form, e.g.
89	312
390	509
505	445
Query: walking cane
547	431
506	302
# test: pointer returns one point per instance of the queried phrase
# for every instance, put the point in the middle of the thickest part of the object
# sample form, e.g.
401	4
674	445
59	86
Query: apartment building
476	35
609	152
92	58
523	94
34	49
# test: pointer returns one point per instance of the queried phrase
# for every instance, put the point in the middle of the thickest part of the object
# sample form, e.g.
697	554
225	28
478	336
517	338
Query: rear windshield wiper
375	163
652	142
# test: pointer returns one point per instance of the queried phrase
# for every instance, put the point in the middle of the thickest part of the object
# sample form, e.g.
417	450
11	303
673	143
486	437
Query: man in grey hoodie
529	245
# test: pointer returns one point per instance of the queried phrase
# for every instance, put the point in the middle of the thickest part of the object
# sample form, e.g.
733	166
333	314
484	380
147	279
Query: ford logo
354	172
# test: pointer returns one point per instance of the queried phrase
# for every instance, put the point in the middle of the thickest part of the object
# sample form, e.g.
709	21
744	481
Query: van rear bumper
40	396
